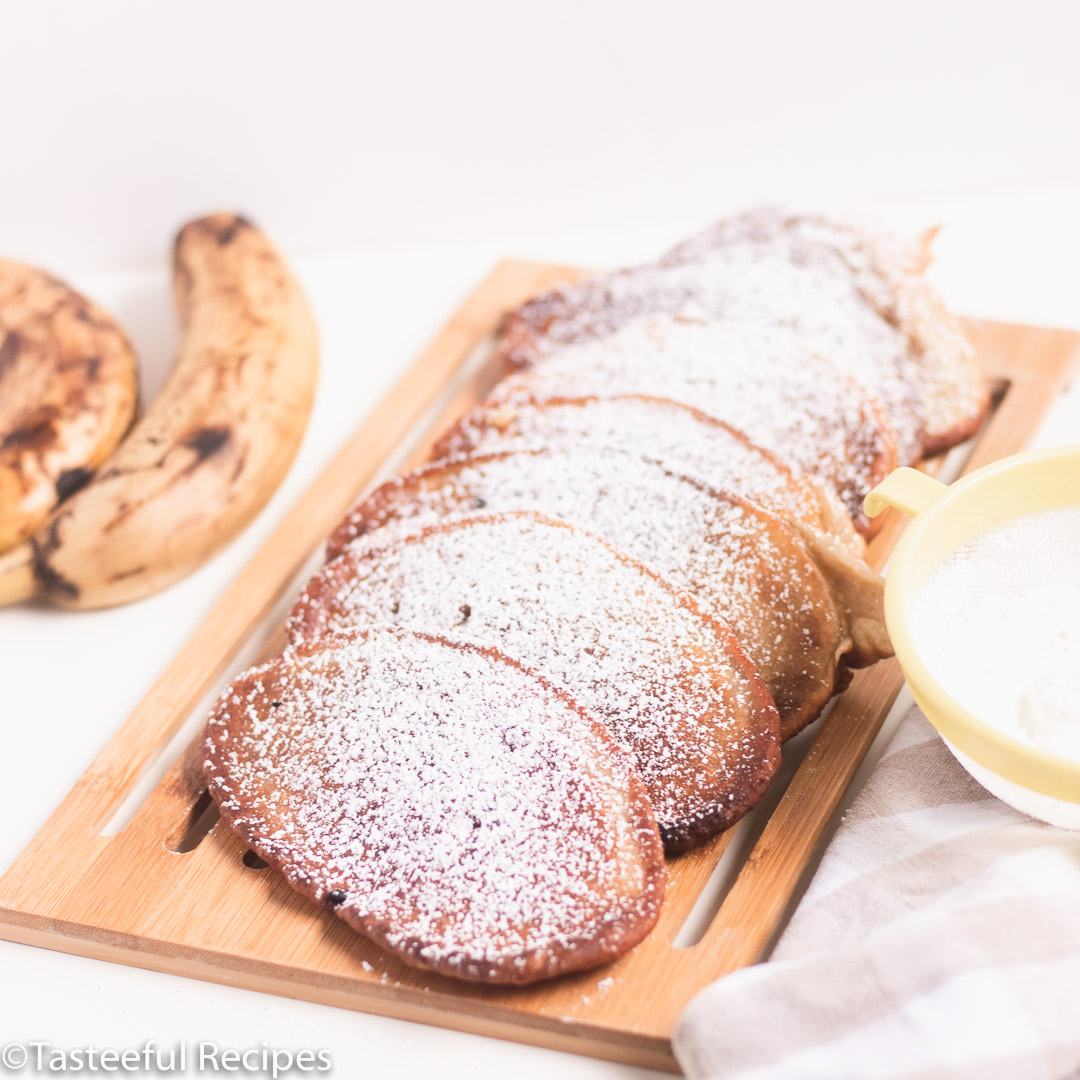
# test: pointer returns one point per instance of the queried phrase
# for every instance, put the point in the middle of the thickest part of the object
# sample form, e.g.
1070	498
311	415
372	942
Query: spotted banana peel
209	451
68	391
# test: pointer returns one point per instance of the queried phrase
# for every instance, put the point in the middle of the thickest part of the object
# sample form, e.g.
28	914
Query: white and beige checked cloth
939	940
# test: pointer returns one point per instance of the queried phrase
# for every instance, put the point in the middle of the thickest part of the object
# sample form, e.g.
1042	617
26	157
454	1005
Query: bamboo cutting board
174	890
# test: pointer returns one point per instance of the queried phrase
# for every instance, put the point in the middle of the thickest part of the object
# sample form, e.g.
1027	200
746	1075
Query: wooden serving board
176	891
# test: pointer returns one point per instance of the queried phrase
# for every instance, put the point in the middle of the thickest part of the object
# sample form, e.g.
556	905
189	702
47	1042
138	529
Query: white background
341	124
395	151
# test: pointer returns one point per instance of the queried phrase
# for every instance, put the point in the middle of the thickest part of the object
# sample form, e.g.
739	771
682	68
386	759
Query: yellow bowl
945	518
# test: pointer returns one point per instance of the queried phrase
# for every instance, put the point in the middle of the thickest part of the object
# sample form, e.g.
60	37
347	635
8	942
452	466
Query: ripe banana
68	390
210	450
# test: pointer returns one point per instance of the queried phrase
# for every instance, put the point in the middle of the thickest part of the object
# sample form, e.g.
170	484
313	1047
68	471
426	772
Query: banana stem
17	581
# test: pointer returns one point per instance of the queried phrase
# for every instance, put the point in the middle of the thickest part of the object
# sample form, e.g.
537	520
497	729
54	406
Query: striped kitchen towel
939	940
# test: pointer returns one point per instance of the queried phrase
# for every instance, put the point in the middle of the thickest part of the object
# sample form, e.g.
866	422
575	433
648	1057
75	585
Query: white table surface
69	679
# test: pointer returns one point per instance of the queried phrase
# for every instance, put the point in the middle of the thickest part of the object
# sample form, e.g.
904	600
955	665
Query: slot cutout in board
201	818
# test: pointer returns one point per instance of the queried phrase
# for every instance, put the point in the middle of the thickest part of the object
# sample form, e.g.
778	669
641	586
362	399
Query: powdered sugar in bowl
982	602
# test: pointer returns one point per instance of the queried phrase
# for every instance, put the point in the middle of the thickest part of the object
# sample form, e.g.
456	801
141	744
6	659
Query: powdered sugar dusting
674	688
441	799
854	294
810	275
740	563
887	272
683	440
764	382
954	395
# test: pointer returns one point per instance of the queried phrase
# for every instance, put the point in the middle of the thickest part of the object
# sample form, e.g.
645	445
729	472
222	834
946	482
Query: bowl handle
907	489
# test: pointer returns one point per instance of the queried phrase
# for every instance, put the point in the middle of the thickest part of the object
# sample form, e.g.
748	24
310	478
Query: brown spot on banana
9	349
53	585
133	572
241	464
36	435
25	570
69	481
90	365
207	441
228	232
213	447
